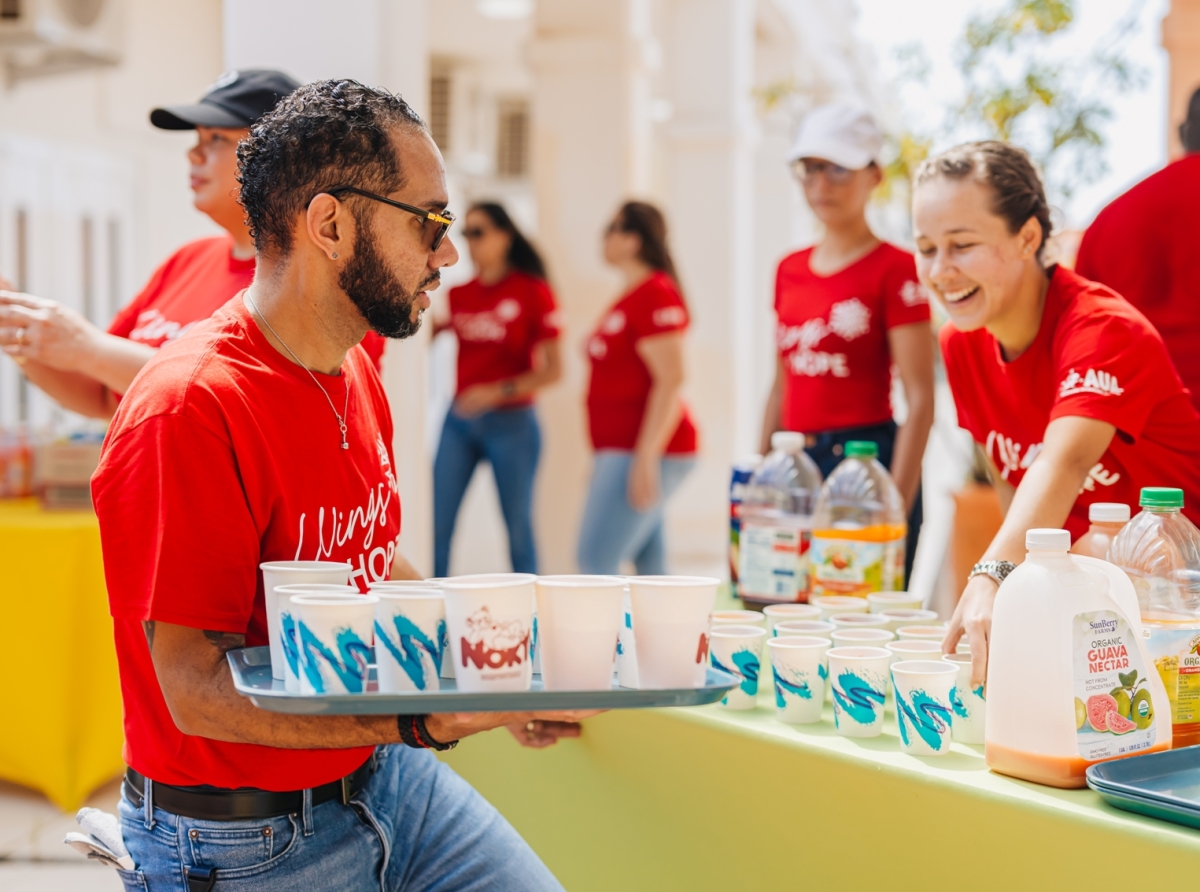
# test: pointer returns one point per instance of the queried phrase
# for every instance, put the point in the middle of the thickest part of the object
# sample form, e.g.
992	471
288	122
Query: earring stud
335	255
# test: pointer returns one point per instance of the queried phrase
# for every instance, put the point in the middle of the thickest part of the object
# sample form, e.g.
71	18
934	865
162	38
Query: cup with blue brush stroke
858	677
738	651
289	633
799	671
967	701
335	632
277	573
446	670
923	711
819	628
410	638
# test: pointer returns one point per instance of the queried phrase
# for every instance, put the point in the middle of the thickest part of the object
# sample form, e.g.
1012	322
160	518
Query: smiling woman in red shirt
850	310
86	369
506	323
1066	387
642	432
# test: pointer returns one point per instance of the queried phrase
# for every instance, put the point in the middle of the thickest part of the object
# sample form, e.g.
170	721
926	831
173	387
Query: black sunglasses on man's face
444	219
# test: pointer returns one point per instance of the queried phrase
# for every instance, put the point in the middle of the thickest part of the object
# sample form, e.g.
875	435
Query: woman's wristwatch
997	570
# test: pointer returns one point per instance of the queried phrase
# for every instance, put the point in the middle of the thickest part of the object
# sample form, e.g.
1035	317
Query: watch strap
997	570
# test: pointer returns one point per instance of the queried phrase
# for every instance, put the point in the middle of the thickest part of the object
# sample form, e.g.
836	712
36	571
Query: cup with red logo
671	618
579	621
276	573
489	618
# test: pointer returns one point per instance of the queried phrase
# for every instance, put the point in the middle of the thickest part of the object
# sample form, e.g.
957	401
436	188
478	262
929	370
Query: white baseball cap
839	132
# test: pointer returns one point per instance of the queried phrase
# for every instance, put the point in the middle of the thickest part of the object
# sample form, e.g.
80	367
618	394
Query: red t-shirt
832	335
1143	246
222	455
620	383
498	326
188	288
1094	356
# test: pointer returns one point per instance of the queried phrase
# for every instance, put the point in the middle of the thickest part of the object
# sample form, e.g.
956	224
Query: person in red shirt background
1144	247
641	430
1067	388
505	320
850	309
85	369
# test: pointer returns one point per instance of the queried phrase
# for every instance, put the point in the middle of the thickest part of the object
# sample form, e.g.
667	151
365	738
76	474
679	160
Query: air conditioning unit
41	37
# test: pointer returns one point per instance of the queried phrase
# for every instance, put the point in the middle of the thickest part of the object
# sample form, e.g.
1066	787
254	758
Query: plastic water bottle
859	528
1106	520
1160	551
743	471
1069	679
776	524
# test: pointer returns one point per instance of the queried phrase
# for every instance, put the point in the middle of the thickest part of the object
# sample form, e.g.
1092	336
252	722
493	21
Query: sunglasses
473	232
833	173
443	220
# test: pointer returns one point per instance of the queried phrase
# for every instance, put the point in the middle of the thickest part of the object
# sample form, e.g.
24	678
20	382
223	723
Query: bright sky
1137	131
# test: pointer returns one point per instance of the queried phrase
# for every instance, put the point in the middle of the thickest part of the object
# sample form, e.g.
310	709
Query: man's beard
376	291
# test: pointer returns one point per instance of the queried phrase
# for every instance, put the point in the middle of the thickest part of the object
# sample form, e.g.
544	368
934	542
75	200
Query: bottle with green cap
859	528
1160	552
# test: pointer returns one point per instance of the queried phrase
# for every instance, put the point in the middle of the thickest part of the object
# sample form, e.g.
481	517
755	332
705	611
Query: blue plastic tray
1161	785
252	677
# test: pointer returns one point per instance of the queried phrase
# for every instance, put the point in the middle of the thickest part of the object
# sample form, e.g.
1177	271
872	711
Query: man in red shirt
264	434
1143	246
86	369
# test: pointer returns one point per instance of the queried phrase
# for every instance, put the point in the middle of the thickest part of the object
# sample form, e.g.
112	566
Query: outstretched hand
44	331
973	617
533	729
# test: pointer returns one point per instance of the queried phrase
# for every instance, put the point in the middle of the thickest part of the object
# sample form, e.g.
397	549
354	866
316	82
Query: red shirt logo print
1100	383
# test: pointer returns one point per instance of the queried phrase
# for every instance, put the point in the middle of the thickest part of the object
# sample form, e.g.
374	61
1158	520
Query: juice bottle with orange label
1160	551
859	528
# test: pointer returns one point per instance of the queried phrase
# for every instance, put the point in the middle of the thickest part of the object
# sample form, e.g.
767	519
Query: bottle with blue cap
1160	551
1069	679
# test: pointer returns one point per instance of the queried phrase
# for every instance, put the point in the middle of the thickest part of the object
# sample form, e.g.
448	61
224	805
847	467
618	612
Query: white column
709	168
591	150
380	43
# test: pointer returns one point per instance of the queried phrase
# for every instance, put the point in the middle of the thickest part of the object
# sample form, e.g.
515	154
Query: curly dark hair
325	134
1007	170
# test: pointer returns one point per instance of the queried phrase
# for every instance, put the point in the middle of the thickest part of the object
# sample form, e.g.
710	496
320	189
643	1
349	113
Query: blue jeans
508	439
416	825
612	531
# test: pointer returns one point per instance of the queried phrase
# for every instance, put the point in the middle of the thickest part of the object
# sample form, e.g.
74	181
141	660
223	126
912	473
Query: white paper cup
671	623
858	621
579	623
921	633
877	602
914	650
799	670
489	618
276	573
861	637
410	638
900	617
738	651
335	633
967	701
738	618
830	605
858	676
819	628
782	613
923	710
627	674
289	632
446	669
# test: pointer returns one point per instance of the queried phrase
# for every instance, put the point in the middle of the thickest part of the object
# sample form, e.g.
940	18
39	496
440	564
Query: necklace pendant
345	445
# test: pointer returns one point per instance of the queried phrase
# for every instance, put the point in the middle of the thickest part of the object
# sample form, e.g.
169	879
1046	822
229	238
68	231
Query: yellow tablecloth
62	700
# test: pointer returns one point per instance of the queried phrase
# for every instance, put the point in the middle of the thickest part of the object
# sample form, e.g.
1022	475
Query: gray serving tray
252	677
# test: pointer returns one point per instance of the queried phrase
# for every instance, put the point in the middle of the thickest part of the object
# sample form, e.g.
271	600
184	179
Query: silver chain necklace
341	419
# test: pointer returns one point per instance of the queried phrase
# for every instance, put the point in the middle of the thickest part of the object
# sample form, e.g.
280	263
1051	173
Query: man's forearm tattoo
225	641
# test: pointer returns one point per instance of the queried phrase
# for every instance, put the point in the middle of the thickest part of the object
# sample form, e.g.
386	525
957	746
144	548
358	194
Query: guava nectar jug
1069	680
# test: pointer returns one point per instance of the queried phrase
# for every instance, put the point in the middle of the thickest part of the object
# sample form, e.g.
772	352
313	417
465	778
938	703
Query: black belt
249	804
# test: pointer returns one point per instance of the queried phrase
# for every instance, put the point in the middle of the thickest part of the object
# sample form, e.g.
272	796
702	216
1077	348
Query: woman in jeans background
643	437
505	322
850	310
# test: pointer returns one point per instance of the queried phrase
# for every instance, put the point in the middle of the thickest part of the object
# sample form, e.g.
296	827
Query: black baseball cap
237	99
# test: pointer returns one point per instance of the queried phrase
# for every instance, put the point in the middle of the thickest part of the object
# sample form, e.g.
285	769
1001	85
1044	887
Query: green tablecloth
707	798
